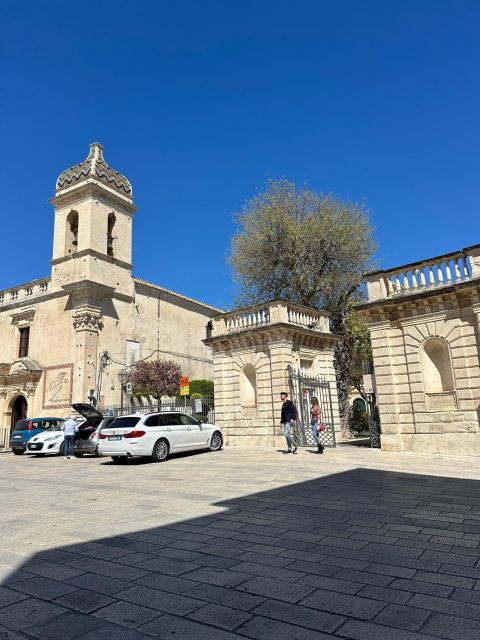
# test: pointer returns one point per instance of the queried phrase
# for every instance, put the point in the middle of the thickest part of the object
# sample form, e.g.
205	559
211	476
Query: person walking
315	422
70	428
288	420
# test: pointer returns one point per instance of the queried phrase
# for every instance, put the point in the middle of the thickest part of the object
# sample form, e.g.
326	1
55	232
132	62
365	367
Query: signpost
184	386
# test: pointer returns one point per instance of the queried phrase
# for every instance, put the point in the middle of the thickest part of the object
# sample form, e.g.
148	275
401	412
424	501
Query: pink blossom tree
156	378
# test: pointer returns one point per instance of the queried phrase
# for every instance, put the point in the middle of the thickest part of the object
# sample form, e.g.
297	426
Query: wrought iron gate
302	388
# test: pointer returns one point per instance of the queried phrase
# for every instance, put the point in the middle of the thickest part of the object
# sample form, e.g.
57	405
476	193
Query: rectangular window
24	342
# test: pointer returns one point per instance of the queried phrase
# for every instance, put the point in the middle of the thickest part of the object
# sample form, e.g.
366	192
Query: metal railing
202	409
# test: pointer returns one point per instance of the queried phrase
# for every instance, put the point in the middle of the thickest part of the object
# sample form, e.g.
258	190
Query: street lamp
122	376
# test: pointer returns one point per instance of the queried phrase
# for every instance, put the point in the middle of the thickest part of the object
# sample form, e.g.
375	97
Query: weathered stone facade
424	322
91	304
252	350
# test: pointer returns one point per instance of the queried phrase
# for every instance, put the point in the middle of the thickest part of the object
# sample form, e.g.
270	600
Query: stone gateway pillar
253	349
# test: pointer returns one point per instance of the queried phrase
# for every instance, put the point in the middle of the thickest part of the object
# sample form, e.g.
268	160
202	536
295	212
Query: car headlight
52	438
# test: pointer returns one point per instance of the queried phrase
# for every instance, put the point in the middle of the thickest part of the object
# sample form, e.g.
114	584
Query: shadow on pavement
367	555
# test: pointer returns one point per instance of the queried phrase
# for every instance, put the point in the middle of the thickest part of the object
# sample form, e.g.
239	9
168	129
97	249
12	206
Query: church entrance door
19	410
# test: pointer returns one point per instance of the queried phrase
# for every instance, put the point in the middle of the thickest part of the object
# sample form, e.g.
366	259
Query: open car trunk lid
87	411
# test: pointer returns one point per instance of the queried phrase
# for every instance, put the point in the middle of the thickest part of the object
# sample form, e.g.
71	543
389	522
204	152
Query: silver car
86	438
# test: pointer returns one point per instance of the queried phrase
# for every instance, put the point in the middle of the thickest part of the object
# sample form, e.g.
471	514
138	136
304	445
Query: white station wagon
156	435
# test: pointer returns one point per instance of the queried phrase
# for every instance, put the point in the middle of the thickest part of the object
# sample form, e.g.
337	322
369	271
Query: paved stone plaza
244	543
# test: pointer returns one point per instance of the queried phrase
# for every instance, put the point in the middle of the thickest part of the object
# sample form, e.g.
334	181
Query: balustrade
25	291
272	313
438	272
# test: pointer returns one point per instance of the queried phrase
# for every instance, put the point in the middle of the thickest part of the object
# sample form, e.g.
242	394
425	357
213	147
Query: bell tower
93	225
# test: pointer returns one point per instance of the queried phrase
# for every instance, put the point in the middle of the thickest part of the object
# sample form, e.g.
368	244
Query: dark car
86	438
29	427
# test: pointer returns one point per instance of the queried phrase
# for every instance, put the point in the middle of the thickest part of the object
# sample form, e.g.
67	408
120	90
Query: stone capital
87	321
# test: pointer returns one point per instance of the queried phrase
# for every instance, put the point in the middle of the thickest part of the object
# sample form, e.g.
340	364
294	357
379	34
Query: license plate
34	446
114	437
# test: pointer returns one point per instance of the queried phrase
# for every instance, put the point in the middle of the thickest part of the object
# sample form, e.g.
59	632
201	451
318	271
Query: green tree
308	248
203	387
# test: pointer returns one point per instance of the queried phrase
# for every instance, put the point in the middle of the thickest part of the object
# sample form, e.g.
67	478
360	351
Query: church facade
54	331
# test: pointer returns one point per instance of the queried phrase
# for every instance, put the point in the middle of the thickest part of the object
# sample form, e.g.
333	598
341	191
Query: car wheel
216	443
78	455
160	451
119	459
61	451
18	452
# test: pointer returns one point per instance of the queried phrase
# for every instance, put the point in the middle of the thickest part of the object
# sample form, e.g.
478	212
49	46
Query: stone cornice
264	334
472	286
94	254
24	317
92	188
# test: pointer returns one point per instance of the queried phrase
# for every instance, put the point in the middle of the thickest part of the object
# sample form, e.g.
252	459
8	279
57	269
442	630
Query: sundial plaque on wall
57	386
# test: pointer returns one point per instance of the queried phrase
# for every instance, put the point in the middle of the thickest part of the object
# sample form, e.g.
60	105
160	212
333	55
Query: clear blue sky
198	103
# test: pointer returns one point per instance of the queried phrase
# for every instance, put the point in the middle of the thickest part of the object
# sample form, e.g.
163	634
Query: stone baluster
458	275
423	282
448	272
439	274
398	286
414	279
389	287
406	285
431	276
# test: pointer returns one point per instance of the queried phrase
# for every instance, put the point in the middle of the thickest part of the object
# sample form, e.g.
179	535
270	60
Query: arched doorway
19	410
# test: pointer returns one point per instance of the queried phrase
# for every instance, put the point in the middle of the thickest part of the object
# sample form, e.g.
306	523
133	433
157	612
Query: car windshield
122	423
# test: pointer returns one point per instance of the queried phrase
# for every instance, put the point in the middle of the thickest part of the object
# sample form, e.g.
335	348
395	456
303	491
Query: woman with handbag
316	423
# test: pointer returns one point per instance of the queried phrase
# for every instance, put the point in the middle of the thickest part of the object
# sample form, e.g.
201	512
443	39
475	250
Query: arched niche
71	233
249	386
436	366
110	237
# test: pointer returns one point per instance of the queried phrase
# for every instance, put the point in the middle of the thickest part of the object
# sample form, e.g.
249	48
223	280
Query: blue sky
199	103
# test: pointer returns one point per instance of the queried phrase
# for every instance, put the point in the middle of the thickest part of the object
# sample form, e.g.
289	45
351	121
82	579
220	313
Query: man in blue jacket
288	420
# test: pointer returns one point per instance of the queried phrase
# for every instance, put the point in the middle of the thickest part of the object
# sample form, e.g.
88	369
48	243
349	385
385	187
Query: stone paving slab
245	543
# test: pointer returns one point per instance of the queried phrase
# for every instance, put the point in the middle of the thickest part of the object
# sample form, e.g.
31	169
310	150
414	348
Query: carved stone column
87	322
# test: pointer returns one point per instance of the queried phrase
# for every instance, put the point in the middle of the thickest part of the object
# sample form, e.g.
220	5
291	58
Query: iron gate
302	388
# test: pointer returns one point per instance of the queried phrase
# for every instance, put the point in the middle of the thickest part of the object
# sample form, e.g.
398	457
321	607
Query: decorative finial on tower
96	151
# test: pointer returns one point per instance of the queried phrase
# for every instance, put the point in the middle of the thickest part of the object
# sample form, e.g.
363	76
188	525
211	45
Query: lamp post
122	376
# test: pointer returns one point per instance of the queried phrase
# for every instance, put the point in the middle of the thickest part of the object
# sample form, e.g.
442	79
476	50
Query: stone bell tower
92	255
93	225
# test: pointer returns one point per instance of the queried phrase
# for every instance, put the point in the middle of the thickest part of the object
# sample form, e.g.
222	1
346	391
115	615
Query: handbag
320	427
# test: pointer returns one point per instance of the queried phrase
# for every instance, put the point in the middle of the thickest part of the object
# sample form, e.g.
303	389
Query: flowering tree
156	378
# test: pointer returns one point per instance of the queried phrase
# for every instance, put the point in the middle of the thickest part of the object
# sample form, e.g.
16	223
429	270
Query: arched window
71	233
110	236
436	366
249	386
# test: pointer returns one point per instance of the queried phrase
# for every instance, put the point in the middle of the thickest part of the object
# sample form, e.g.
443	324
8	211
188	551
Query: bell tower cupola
93	222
